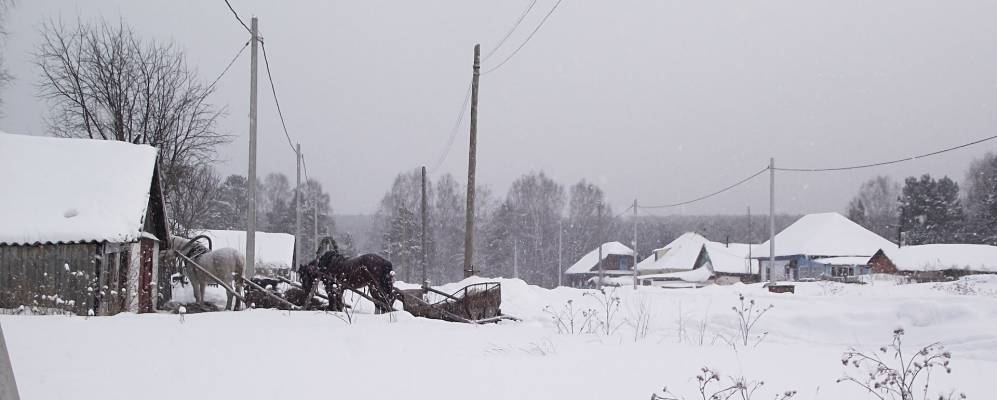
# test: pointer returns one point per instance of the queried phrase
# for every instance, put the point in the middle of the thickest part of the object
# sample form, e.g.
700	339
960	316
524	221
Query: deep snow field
269	354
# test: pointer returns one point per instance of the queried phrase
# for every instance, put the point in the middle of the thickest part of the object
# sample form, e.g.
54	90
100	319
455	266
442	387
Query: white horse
227	264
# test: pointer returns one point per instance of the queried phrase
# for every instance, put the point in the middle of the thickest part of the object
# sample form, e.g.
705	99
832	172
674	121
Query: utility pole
635	244
251	222
771	219
750	241
315	217
599	235
471	165
298	243
515	258
560	248
425	214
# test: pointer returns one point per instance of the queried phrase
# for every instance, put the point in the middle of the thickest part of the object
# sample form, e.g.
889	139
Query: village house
935	262
692	260
819	246
617	260
81	226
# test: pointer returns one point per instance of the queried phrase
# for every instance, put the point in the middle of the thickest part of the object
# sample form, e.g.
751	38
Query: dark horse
340	273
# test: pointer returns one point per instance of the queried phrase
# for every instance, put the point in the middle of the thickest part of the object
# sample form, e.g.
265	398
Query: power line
620	214
738	183
535	30
888	162
228	66
273	89
511	30
238	17
453	131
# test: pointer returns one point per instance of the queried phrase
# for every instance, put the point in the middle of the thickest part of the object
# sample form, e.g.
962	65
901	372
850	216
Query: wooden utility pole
251	218
298	243
599	241
425	219
750	240
471	165
771	219
315	218
515	258
635	244
8	387
560	251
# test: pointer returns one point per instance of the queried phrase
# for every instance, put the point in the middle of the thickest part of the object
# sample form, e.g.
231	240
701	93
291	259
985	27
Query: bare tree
194	198
875	206
5	77
104	82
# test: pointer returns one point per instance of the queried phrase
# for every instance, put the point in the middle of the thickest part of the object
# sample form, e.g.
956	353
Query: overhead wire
509	33
273	89
453	131
701	198
227	67
237	17
527	40
877	164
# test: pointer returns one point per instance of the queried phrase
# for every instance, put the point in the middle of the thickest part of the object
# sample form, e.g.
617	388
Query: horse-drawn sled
477	303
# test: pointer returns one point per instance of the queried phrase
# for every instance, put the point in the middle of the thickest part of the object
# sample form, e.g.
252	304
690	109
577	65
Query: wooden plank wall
58	276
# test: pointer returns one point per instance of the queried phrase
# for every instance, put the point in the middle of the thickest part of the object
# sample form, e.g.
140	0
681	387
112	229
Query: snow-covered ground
267	354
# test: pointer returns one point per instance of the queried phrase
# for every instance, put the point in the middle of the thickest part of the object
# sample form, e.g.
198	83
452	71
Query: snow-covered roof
73	190
273	250
590	261
937	257
681	255
732	259
843	260
678	255
824	234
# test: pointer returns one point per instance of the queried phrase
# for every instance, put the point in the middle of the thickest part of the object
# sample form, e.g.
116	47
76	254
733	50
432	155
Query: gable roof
273	250
73	190
682	253
590	261
679	254
938	257
824	234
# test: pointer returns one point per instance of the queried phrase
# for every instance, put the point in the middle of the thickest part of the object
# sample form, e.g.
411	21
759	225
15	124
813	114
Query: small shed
83	222
617	259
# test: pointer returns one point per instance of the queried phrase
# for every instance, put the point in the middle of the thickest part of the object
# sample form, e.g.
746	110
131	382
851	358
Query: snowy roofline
590	260
73	190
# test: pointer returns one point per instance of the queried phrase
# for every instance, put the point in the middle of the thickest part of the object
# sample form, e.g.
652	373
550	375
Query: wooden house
617	260
935	262
682	258
818	245
81	226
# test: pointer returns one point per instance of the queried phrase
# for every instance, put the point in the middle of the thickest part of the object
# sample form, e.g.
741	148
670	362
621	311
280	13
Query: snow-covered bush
711	387
905	377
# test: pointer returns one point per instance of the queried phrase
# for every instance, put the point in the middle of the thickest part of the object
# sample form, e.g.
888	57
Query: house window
625	263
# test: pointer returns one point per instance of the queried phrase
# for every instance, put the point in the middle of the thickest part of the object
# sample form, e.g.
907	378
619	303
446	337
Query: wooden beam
212	276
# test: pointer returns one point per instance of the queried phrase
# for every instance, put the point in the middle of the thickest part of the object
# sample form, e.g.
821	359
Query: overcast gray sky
658	100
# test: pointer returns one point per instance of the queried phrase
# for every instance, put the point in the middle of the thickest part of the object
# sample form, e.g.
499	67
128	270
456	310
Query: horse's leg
195	285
